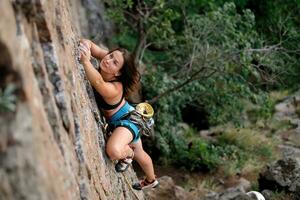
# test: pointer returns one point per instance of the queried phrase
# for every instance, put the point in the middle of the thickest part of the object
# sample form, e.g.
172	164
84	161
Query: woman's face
112	63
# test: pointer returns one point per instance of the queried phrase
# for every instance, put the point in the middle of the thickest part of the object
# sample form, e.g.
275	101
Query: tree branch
179	86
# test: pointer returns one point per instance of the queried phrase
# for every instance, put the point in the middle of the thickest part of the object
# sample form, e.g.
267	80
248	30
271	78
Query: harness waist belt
124	110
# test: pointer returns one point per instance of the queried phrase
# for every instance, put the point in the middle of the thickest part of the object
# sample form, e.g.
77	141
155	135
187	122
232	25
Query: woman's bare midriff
109	113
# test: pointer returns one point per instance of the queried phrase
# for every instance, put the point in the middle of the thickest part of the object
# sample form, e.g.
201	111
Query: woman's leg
144	160
117	145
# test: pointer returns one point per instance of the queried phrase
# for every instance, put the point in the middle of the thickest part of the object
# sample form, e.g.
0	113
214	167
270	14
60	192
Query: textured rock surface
282	175
51	145
229	194
167	190
289	110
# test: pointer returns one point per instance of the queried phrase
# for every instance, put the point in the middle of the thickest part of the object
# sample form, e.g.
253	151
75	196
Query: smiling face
112	63
119	65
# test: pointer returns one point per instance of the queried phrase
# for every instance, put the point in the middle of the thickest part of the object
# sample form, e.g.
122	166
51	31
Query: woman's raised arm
106	89
96	51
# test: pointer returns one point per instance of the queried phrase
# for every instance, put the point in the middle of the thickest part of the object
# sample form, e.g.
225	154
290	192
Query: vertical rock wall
51	143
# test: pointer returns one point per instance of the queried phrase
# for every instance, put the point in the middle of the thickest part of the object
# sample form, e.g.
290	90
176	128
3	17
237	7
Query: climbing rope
128	183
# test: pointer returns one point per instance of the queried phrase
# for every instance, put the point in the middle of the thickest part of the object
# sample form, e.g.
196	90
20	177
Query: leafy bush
210	55
247	140
234	150
223	33
8	99
198	156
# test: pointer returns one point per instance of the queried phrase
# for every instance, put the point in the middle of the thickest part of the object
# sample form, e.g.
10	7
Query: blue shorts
121	119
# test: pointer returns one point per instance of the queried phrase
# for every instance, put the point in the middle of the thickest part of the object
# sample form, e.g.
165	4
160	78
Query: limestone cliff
51	143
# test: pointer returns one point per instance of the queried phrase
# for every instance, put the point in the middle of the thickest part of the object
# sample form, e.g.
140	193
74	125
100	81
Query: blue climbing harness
122	119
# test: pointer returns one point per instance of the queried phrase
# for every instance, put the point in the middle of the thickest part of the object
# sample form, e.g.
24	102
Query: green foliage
150	19
216	55
223	98
278	22
247	140
233	150
125	39
199	156
193	153
8	99
223	33
265	110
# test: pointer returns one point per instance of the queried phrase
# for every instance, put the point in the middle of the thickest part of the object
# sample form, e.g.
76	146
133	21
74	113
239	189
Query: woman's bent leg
117	145
144	160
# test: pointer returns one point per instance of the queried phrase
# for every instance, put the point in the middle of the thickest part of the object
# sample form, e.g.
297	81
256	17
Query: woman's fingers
85	45
83	48
85	52
85	42
83	57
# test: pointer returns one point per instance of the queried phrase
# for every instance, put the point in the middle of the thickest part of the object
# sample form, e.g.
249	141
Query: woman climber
116	77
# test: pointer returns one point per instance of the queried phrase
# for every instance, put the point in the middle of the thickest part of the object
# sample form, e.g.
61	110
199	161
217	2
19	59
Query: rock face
229	194
97	27
289	107
289	110
167	190
282	175
51	140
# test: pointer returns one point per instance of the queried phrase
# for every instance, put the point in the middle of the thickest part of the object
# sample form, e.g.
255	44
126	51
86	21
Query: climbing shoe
123	164
144	184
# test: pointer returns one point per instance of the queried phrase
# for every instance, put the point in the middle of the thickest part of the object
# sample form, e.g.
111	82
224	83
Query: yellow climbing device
145	109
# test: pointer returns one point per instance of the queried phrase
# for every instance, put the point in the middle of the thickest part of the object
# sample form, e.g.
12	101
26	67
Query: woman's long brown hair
130	76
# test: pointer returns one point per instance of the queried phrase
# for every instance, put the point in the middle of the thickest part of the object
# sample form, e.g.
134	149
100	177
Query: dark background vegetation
211	64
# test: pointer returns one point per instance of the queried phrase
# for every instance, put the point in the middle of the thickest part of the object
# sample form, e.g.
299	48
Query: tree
222	43
144	20
214	58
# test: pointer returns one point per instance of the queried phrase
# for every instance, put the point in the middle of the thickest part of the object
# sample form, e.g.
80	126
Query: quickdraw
145	124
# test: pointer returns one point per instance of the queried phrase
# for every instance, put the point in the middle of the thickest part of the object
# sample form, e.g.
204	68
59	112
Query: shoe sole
123	170
152	185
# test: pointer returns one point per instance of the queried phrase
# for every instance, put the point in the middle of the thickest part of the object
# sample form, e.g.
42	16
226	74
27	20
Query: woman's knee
114	152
